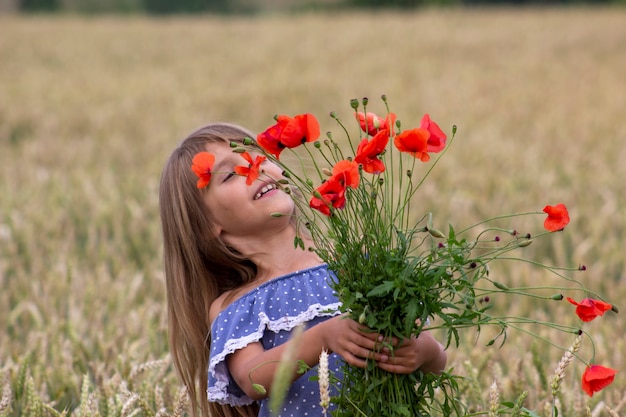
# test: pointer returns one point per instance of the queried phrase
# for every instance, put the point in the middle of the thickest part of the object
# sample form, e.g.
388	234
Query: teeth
265	189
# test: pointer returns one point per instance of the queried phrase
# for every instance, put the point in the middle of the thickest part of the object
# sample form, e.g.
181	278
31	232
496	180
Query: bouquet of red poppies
397	272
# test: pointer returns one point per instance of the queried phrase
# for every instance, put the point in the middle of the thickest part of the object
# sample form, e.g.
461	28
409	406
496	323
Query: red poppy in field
596	378
289	132
414	142
332	194
347	172
588	308
437	139
557	219
372	124
202	166
368	151
252	170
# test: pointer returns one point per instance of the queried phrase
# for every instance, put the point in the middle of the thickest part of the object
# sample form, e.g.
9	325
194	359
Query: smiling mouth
266	189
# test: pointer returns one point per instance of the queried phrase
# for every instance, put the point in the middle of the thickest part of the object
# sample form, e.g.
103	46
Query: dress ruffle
276	306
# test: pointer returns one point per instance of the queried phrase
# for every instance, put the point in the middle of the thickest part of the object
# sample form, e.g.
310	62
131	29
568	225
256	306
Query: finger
393	368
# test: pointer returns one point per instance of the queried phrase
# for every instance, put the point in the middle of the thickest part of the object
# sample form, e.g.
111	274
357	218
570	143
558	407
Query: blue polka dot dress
268	314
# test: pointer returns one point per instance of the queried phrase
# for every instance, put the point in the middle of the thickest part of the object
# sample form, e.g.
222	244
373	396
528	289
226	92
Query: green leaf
382	289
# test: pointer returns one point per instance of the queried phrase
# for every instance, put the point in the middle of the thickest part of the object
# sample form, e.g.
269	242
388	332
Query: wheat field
90	108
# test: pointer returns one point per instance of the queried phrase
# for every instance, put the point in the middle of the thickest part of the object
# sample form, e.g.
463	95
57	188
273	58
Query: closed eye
228	176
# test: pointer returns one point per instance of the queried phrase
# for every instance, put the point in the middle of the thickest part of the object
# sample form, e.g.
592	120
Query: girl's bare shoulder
225	299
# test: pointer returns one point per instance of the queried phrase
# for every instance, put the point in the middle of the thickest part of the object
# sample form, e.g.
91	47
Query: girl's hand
352	341
419	352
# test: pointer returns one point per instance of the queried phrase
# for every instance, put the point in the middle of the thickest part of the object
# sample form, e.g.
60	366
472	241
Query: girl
237	287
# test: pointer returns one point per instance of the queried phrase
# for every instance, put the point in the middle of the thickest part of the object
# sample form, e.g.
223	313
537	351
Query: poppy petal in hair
202	166
252	170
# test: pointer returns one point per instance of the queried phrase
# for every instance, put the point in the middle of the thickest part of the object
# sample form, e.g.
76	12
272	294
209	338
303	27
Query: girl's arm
254	365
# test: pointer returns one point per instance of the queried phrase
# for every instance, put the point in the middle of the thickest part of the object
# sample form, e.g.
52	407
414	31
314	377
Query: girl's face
240	210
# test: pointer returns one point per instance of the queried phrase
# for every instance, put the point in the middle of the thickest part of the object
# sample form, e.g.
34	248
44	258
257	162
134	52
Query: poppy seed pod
354	103
365	101
524	243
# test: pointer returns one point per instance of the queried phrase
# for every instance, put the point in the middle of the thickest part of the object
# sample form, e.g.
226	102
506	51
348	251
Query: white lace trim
217	365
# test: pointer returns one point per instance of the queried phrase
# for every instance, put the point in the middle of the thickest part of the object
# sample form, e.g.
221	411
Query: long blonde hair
198	266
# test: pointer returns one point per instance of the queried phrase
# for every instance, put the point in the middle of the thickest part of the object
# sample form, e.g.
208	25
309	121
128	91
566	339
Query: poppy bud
491	342
557	297
362	318
524	243
500	286
317	145
365	101
436	233
327	172
381	180
614	308
309	182
239	150
259	388
233	144
333	115
582	268
409	173
277	214
354	103
373	195
283	181
247	141
384	98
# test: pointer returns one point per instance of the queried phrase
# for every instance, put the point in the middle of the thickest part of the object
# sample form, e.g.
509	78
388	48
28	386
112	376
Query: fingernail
384	358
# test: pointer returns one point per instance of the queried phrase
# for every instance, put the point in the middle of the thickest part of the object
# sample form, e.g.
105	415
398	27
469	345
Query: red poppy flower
372	124
557	219
289	132
437	139
252	170
415	142
368	151
347	172
596	378
202	166
333	195
588	308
